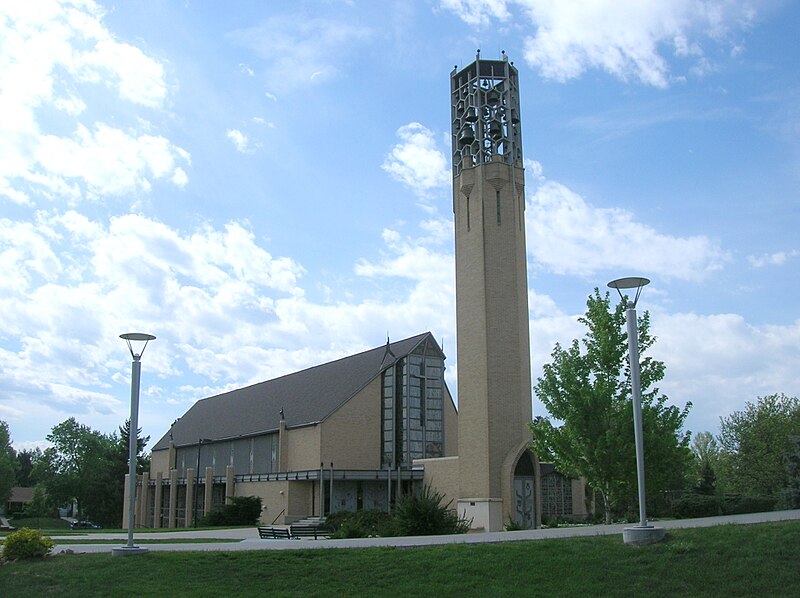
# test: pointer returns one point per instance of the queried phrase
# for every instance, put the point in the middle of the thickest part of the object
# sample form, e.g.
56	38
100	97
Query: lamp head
630	282
136	337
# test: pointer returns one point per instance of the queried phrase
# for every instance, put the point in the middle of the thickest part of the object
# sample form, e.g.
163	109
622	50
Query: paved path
248	537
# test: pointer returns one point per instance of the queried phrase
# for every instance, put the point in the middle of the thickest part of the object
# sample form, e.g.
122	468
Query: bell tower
493	344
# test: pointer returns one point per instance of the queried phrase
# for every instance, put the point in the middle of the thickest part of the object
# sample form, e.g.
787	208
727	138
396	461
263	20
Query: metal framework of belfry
485	113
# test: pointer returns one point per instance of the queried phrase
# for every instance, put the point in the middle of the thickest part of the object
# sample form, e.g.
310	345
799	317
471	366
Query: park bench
308	531
270	532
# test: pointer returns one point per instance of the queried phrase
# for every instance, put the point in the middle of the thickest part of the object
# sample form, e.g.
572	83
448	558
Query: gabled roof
306	397
21	494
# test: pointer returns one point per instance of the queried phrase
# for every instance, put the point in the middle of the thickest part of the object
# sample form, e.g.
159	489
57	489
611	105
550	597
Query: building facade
339	436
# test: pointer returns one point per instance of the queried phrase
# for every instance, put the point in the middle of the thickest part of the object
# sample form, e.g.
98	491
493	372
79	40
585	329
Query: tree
72	467
7	459
107	499
142	460
24	467
706	463
587	388
89	467
791	494
754	442
40	504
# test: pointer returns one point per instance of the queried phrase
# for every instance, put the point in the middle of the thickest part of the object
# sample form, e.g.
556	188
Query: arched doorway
525	491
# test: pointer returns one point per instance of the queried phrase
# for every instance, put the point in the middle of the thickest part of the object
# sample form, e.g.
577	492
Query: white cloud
107	160
626	38
478	12
719	361
138	78
567	235
300	51
778	258
417	162
78	283
57	54
239	140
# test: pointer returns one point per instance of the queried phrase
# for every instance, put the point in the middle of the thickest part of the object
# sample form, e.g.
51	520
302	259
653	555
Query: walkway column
173	498
190	503
230	483
283	445
144	507
208	490
127	498
159	496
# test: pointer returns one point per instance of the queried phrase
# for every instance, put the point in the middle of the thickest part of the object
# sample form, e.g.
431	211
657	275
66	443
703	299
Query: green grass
42	523
757	560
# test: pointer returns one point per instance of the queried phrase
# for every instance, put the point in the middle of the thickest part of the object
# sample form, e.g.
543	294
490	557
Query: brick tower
497	480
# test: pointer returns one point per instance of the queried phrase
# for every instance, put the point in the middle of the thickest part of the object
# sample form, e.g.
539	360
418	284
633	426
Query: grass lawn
731	560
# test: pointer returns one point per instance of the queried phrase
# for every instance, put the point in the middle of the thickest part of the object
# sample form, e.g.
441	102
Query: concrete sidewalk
249	540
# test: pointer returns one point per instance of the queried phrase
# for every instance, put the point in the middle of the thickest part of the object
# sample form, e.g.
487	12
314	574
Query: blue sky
266	186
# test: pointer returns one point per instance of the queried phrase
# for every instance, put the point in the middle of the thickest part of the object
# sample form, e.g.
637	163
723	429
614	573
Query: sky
266	186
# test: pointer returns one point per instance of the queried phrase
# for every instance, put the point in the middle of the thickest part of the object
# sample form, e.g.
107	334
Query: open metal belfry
485	113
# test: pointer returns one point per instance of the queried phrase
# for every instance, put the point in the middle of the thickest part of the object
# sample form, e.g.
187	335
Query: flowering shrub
26	544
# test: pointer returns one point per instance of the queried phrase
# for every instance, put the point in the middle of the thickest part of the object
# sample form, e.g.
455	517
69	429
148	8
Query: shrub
26	544
39	506
513	526
696	505
425	515
334	521
733	504
242	510
361	524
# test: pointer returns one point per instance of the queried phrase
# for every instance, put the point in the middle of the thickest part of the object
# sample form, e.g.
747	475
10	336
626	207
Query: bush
361	524
696	505
733	504
242	510
26	544
513	526
425	515
39	506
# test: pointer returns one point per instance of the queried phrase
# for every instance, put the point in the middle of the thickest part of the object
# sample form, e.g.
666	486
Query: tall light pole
133	434
643	533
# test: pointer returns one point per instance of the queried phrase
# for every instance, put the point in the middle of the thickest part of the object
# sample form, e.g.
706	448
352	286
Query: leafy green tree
586	388
791	494
8	475
754	442
73	465
107	498
24	466
706	463
40	505
142	459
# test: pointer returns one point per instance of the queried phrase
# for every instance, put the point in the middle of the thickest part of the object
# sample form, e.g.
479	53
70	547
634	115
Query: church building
358	432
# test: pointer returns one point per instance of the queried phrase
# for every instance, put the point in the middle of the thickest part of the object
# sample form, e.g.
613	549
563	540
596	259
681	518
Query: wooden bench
273	533
308	531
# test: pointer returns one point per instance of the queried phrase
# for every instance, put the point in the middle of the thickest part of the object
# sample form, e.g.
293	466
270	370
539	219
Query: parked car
84	525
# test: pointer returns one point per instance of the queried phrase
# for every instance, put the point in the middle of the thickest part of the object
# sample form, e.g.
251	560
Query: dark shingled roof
307	397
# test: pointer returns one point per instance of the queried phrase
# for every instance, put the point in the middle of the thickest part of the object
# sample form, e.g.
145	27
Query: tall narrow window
497	197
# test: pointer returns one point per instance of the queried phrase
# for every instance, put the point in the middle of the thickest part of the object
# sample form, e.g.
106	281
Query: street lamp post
133	435
643	533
